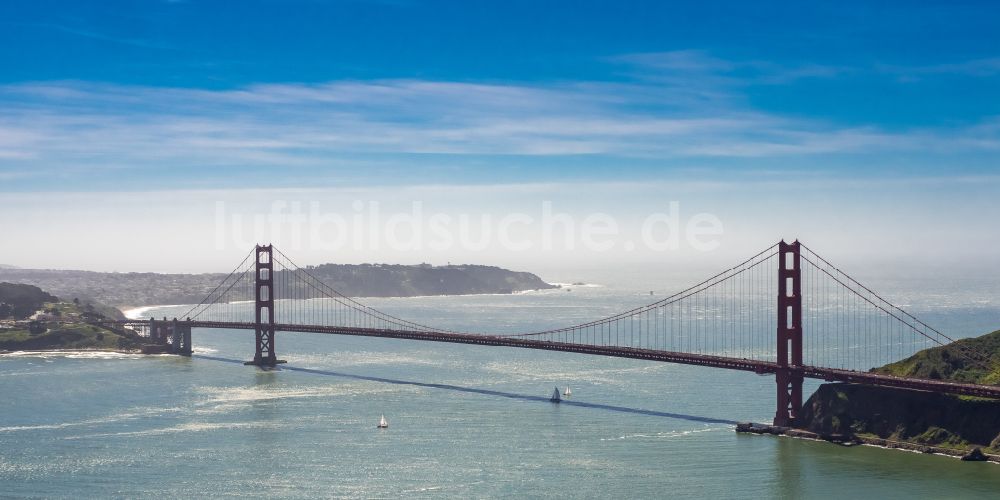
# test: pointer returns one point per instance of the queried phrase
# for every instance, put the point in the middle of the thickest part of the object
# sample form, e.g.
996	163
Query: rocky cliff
916	417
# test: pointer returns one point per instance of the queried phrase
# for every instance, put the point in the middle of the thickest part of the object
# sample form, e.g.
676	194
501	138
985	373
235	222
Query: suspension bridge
785	311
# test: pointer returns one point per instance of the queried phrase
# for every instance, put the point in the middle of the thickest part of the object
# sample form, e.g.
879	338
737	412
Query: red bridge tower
264	356
789	374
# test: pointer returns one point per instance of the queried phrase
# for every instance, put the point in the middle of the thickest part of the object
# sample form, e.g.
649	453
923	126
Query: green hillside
19	301
31	320
919	418
949	363
916	417
74	336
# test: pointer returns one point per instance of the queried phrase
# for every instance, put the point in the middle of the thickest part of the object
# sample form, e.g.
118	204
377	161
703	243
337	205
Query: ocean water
465	421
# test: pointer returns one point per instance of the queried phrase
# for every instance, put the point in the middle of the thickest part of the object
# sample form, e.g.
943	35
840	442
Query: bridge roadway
750	365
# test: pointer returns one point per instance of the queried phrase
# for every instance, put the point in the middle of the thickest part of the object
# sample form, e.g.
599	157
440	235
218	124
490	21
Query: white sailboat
567	392
555	396
383	423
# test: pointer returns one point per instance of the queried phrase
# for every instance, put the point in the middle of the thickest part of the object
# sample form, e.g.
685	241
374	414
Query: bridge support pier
172	336
186	339
160	330
175	337
264	356
789	336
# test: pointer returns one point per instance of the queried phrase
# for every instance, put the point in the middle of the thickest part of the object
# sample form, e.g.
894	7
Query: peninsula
34	320
363	280
908	419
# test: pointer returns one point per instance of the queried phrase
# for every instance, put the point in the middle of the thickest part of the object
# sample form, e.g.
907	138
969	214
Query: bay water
464	421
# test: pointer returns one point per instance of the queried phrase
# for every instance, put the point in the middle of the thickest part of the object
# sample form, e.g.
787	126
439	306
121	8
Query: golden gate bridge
785	311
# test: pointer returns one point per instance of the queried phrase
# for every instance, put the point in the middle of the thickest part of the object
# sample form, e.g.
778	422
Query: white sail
382	422
555	395
567	392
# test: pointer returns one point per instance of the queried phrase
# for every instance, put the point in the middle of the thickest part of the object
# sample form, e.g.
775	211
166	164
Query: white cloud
76	125
699	69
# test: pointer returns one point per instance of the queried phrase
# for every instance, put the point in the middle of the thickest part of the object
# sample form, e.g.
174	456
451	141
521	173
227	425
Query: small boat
555	396
383	423
567	392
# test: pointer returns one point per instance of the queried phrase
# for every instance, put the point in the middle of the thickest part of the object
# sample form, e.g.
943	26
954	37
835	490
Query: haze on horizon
148	136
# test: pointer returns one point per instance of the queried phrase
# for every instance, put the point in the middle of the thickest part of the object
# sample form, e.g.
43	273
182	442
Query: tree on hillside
24	299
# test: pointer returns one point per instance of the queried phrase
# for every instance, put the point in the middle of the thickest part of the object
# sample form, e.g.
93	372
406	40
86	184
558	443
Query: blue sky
896	104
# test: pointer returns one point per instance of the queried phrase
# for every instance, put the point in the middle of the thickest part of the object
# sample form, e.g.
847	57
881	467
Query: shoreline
136	312
853	440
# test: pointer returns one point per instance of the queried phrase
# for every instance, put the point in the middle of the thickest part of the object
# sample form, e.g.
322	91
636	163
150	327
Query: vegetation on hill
384	280
21	301
365	280
918	417
78	336
39	321
974	361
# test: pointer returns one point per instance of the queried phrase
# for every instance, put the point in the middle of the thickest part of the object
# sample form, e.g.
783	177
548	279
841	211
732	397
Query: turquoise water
465	421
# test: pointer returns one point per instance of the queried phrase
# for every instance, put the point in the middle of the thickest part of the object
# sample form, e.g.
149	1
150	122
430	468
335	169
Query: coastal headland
925	422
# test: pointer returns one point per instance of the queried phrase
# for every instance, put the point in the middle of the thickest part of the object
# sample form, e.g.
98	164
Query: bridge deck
750	365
